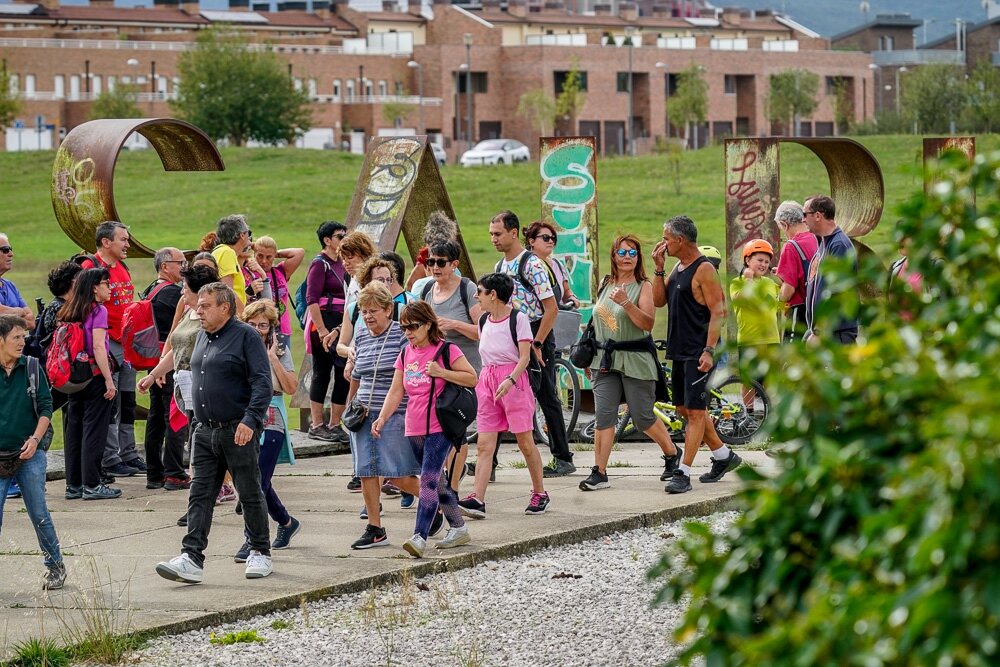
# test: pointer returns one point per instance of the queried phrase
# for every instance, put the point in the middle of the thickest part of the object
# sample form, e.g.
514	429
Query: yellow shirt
229	265
756	305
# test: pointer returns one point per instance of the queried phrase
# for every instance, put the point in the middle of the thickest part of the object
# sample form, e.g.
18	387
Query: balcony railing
918	57
51	96
389	99
133	45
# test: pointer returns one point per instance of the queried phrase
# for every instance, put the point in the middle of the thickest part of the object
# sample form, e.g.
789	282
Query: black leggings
323	367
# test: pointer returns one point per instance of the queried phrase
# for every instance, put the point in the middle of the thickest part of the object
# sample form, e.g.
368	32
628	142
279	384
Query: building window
112	82
59	87
560	79
886	43
383	87
312	89
336	87
15	84
369	88
729	84
29	85
95	85
350	90
622	82
399	88
74	87
479	82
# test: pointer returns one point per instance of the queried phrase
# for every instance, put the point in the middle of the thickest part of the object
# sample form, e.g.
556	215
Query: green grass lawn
286	193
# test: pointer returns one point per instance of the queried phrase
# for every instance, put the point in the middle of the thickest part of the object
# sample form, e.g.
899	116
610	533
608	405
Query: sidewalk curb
421	568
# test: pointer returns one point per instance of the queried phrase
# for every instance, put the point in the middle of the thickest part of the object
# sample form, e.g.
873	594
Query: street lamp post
898	70
629	32
420	89
666	78
135	71
467	38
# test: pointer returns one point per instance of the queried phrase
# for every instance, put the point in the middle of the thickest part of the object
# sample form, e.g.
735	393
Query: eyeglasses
631	252
371	313
412	326
261	326
6	249
182	262
548	238
384	281
339	237
804	212
439	262
105	282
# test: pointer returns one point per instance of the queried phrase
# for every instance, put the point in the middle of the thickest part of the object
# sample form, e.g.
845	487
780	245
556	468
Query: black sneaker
244	552
436	525
472	507
373	537
558	468
338	434
679	482
106	479
183	521
120	470
354	486
239	508
74	492
54	578
138	463
720	468
154	483
320	432
671	463
597	480
285	534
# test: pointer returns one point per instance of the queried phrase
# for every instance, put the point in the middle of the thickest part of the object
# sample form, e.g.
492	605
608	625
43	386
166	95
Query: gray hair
5	237
683	226
106	230
229	228
789	212
440	228
222	293
162	256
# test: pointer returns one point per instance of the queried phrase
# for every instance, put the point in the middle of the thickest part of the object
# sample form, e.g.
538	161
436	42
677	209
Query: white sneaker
456	537
415	546
258	565
180	568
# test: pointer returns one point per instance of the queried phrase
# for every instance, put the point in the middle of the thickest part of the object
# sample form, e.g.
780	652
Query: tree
933	96
570	100
235	92
117	103
689	103
843	106
396	112
984	97
791	96
538	106
875	541
10	103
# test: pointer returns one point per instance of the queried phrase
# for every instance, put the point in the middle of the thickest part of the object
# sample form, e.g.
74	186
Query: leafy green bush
878	542
230	638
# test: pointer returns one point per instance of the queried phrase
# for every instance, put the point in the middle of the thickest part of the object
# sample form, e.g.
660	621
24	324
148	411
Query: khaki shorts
639	394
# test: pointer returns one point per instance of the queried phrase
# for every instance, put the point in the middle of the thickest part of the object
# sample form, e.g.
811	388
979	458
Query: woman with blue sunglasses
629	367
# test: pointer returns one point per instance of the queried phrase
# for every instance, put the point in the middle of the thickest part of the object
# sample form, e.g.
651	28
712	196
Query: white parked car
439	154
496	151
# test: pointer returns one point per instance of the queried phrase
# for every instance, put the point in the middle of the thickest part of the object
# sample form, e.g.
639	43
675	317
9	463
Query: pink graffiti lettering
64	191
747	195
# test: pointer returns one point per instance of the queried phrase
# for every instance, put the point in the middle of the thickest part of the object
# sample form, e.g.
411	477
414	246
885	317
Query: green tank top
611	322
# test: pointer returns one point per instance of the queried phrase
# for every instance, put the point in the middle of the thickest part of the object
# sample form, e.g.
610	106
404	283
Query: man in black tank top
696	309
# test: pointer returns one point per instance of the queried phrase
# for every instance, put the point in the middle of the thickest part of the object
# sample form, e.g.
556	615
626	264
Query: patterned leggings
432	450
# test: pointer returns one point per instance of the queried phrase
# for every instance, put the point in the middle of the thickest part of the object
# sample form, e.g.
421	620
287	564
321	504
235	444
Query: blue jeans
31	479
268	459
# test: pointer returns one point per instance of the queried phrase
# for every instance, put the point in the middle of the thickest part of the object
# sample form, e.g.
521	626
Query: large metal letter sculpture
399	187
568	167
84	168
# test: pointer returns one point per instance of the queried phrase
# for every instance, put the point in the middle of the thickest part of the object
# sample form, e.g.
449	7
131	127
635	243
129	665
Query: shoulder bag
456	407
357	412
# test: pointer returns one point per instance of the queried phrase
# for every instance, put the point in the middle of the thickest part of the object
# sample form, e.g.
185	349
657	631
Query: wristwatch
709	349
536	344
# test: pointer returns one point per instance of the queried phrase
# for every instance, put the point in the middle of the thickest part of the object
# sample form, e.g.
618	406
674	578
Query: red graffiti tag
747	195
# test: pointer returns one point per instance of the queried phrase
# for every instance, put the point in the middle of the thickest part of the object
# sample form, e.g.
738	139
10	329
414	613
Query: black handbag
583	351
456	407
10	462
357	412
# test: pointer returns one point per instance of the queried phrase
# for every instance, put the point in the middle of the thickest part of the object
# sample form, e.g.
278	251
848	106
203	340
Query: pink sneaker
226	494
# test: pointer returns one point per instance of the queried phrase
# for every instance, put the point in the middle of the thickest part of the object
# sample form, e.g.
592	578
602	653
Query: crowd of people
382	354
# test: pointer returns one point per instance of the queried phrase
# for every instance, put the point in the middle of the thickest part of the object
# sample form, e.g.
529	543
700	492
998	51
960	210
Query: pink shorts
514	412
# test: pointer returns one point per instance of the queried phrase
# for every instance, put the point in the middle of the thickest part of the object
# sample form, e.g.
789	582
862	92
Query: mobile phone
269	339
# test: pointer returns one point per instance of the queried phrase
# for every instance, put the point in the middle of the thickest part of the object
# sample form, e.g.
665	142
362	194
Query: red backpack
67	364
140	338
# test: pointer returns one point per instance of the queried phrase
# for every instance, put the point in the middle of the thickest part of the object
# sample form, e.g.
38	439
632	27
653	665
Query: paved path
112	546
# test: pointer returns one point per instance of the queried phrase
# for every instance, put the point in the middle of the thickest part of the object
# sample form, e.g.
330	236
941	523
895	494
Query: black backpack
456	407
534	369
522	276
426	292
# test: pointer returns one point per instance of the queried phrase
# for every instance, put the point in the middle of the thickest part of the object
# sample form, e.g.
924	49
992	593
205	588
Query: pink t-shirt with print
495	344
417	384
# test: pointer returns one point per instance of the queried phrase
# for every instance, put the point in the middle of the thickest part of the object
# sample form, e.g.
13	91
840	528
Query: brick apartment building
354	62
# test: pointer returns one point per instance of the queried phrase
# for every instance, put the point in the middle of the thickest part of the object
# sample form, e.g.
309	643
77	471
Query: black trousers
163	461
548	399
326	364
88	418
214	451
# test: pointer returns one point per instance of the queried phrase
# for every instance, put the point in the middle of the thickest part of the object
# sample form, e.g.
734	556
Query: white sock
686	469
721	454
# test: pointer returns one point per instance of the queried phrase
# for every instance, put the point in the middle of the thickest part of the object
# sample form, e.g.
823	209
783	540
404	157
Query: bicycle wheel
734	422
586	433
625	426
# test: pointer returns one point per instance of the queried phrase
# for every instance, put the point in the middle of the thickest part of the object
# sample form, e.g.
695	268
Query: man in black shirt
164	469
231	393
696	309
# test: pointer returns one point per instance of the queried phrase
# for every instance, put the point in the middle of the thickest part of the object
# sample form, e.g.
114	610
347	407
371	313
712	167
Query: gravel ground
584	604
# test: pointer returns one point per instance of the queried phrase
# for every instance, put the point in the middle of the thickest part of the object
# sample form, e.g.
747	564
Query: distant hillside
829	17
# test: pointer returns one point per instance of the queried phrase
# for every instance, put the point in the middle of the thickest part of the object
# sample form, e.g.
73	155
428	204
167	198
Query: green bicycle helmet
713	254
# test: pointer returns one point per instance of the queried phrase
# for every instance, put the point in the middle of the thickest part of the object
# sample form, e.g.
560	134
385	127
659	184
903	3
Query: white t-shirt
496	348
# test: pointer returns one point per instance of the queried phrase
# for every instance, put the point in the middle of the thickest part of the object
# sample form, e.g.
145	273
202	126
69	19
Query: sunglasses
412	326
438	262
6	249
548	238
808	212
339	237
632	252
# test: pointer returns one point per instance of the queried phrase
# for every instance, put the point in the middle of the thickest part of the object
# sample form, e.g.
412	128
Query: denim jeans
214	452
120	447
31	479
269	452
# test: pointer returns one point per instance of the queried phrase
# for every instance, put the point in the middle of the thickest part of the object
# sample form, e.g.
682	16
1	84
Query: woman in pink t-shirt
416	370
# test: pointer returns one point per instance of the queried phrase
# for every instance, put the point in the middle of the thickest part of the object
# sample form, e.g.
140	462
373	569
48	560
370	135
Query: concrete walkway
113	546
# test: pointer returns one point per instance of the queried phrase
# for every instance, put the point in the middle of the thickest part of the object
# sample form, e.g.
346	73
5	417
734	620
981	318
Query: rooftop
902	20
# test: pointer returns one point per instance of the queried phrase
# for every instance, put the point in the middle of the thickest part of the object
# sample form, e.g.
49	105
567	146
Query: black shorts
689	385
